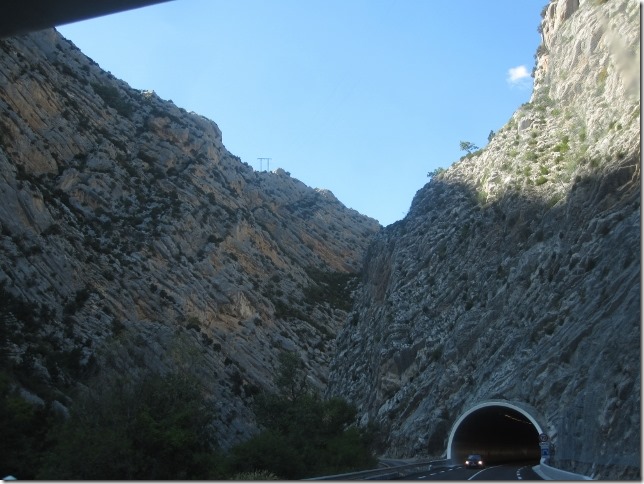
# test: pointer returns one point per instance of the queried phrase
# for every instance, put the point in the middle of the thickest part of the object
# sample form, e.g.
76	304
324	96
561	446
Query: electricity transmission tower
268	163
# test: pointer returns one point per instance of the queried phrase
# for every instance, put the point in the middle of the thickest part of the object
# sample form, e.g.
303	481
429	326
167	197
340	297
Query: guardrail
395	472
550	473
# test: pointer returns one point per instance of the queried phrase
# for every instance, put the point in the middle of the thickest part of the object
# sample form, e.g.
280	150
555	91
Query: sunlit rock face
133	241
516	273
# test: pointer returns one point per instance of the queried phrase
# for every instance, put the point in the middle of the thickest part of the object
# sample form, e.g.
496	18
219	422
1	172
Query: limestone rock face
132	240
516	273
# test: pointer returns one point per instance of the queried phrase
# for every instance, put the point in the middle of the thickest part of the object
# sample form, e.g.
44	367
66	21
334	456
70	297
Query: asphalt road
506	472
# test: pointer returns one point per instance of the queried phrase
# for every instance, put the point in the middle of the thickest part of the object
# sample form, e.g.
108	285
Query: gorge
131	240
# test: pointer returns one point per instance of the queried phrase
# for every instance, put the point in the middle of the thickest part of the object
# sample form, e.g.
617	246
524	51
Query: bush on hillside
303	435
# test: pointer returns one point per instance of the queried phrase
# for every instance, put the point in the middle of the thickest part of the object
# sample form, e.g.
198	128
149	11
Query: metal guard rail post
382	473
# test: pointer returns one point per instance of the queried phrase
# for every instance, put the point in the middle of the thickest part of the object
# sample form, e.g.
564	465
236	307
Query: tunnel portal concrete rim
521	408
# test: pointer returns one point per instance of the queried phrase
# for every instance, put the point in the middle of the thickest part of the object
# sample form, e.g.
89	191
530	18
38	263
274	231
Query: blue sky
361	97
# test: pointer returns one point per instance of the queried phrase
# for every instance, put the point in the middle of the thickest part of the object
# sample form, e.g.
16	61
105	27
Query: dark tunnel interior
500	434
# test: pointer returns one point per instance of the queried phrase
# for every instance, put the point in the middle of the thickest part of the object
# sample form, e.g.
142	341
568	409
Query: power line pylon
268	163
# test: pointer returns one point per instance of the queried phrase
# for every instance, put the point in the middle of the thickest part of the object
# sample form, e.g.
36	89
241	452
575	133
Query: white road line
482	470
437	472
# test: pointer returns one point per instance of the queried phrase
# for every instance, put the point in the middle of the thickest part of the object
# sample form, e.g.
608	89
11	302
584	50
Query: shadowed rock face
516	273
132	240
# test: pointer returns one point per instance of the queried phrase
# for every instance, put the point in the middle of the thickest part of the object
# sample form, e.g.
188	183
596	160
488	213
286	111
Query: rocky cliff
132	240
516	273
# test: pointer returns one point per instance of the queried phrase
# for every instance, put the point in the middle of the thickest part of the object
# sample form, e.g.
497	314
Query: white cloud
518	75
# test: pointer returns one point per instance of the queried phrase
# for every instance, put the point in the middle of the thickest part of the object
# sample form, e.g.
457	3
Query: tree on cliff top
468	146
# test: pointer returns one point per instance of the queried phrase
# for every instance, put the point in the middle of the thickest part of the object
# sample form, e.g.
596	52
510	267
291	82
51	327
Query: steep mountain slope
132	240
516	273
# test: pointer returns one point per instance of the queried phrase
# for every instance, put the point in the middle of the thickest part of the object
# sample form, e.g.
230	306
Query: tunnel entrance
499	431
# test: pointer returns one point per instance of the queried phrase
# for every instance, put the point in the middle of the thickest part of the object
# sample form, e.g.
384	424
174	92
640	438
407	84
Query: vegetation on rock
160	427
302	434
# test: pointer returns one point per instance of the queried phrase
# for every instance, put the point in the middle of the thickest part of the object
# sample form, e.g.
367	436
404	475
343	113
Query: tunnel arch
499	430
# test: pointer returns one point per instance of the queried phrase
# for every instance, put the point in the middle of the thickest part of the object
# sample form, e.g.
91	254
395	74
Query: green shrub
156	428
437	171
193	323
602	76
436	353
330	287
24	427
561	148
255	476
303	435
111	96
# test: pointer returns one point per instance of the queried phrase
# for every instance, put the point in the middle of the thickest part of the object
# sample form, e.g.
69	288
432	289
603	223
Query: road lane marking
482	470
437	472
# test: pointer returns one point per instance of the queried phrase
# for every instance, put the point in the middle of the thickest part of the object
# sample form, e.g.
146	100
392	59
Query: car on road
474	460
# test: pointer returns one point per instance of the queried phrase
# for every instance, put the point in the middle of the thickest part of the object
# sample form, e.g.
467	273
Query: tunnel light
517	419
